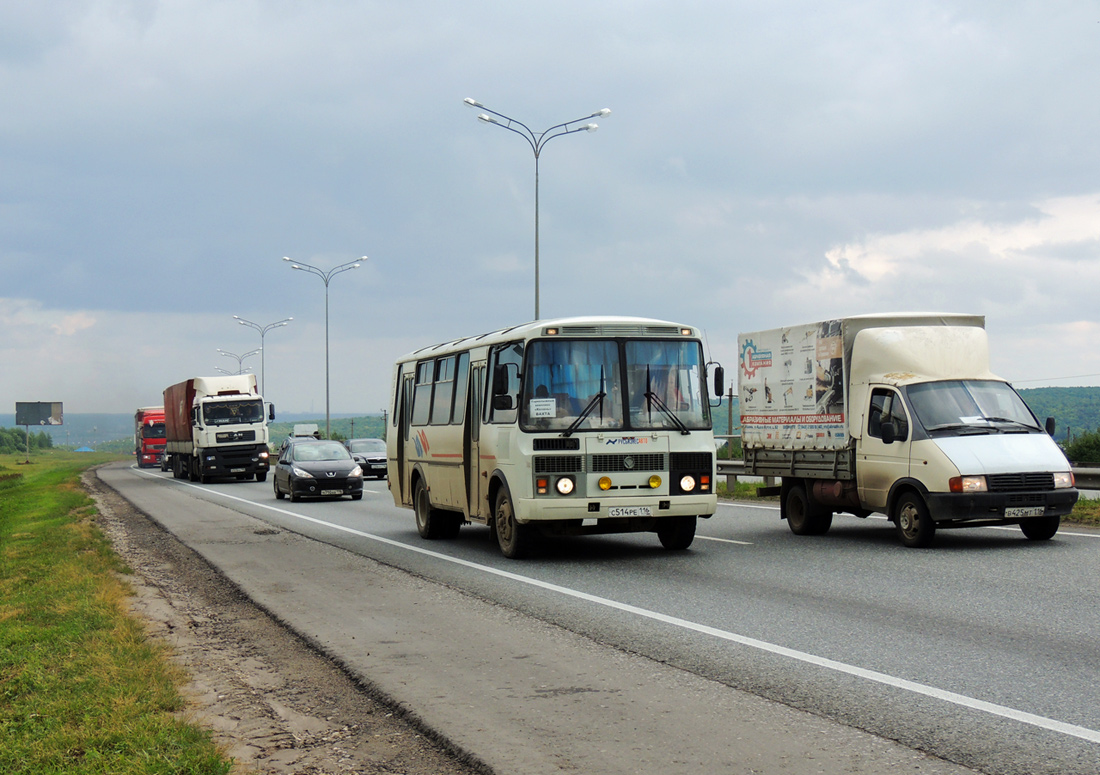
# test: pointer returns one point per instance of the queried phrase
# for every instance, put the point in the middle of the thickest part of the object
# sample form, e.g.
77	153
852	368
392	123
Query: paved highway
982	650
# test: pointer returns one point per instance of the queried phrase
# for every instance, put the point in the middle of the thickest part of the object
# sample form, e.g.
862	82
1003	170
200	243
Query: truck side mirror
1050	426
271	412
889	434
719	380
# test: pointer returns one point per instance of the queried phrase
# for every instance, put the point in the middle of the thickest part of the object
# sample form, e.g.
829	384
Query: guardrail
1086	478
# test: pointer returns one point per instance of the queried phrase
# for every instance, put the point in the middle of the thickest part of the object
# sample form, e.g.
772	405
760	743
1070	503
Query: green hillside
1074	409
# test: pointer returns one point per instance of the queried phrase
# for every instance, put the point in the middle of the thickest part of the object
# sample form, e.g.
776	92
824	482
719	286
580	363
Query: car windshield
970	405
233	412
321	452
368	446
596	384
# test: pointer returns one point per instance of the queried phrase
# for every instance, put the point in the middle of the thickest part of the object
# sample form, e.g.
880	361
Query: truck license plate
332	492
236	470
630	511
1024	511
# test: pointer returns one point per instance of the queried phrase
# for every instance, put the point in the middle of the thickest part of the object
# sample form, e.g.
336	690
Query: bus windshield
649	384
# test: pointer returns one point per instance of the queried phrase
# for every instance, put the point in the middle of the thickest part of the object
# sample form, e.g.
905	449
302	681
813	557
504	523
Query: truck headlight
967	484
1063	479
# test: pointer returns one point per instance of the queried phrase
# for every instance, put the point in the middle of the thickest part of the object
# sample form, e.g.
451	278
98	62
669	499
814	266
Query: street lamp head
590	127
604	112
487	119
473	103
286	258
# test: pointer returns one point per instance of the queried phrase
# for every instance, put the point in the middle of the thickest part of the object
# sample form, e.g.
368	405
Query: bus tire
1040	528
677	533
513	538
805	517
430	522
914	525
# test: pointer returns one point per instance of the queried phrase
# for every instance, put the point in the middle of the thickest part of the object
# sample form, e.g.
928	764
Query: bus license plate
332	492
630	511
1024	511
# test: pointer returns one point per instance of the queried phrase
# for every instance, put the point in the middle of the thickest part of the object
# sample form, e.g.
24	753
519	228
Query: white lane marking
953	698
723	540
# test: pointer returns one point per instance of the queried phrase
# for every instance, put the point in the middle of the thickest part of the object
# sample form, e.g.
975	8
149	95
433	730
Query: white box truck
896	414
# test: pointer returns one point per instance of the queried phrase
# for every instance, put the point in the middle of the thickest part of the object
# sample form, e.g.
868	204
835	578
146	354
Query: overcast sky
764	164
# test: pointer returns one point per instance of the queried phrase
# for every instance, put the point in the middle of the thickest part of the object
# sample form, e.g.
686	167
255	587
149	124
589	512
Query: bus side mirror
500	380
1050	426
719	381
502	402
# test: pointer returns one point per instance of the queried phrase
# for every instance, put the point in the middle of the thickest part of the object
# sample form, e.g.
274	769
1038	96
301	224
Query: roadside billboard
38	413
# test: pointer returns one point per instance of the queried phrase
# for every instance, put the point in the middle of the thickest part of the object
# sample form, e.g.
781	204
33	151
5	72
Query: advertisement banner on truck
791	386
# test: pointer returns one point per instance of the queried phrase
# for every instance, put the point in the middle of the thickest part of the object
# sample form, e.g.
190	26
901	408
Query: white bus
558	427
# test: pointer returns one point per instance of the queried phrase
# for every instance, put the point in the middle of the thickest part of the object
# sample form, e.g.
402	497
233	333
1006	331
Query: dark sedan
370	454
317	469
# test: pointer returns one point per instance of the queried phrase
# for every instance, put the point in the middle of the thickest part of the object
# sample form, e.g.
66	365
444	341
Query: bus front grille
559	464
610	464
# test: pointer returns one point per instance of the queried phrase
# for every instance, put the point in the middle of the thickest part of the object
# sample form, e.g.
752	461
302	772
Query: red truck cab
149	436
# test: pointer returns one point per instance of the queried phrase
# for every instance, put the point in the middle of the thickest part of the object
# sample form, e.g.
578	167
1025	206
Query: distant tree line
15	440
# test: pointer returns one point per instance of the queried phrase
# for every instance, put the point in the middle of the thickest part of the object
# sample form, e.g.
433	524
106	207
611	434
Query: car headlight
355	472
301	473
967	484
1063	479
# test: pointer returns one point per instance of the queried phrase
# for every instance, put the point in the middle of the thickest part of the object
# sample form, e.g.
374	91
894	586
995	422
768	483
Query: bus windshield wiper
653	399
596	399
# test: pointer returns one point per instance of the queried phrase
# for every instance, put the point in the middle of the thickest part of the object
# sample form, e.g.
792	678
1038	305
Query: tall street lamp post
536	140
326	277
238	358
263	332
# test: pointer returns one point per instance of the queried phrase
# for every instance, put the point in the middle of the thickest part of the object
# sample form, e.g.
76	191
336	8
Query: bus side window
504	366
422	394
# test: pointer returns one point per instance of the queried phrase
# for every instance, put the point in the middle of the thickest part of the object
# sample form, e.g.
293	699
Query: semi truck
216	428
896	414
149	436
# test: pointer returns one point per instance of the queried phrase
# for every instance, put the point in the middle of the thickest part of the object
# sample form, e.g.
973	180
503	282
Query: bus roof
590	326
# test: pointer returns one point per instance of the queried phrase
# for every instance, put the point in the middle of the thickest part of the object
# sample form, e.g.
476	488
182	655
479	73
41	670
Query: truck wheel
513	538
677	533
804	516
192	470
911	519
1040	528
261	476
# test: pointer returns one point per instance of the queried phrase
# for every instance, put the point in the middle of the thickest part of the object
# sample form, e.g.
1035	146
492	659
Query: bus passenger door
403	424
471	438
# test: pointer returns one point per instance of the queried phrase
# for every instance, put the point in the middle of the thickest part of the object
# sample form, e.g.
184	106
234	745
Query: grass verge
82	689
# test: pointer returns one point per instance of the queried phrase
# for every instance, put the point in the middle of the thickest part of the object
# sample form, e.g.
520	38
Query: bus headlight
654	482
565	485
605	482
687	483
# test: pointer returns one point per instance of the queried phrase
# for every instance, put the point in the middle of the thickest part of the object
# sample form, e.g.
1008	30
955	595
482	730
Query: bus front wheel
513	538
677	533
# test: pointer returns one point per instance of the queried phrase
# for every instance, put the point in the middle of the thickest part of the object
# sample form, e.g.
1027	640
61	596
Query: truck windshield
153	431
970	405
647	384
233	412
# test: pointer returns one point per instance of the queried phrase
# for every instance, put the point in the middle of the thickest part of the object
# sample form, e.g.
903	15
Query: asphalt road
981	651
